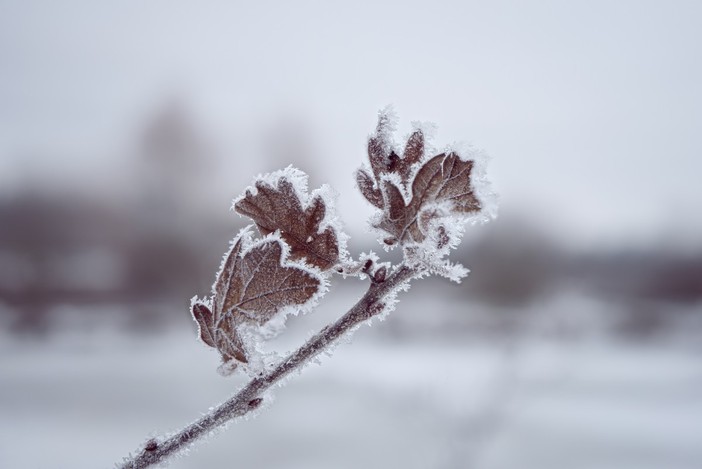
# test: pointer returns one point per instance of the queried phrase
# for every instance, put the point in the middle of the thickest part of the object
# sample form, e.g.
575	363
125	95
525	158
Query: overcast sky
592	111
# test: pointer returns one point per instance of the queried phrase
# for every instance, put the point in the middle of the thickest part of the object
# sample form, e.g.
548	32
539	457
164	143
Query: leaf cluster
422	198
418	194
284	269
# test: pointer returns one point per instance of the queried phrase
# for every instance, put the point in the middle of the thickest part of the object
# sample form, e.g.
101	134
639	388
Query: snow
375	404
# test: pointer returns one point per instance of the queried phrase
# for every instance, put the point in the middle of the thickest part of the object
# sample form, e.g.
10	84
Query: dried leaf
253	285
205	321
229	342
444	179
377	157
384	160
226	276
414	149
266	285
224	337
378	146
367	186
395	203
414	152
279	208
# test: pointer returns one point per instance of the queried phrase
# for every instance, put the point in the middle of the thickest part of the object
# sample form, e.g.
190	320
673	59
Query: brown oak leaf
251	287
279	208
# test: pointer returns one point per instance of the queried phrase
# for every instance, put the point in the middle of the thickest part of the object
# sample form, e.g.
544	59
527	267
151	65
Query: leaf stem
249	397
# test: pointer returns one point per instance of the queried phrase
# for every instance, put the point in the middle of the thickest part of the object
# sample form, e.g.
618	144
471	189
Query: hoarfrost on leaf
424	198
256	283
279	202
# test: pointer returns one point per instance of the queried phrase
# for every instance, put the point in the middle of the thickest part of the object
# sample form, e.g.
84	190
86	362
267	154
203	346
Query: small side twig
249	397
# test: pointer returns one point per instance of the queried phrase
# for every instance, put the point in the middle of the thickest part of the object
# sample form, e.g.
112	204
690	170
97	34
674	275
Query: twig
248	398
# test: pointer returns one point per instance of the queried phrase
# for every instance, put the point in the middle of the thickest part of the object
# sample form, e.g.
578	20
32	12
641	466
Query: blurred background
126	129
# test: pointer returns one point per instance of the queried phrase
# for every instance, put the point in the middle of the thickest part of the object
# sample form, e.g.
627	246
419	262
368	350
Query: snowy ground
86	401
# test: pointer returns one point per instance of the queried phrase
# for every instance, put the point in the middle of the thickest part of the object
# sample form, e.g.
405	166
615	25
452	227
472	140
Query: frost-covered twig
249	397
423	198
